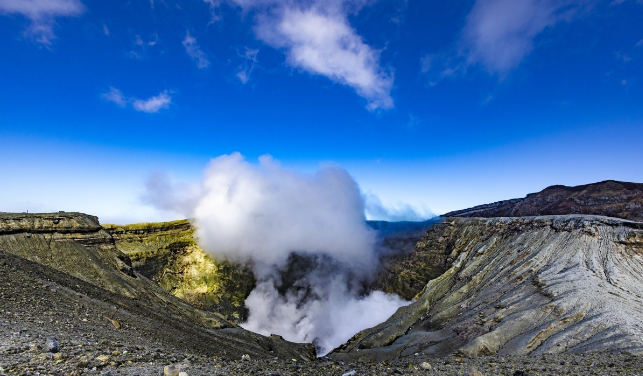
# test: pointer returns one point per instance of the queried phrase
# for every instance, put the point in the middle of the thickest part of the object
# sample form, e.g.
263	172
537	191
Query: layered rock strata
518	286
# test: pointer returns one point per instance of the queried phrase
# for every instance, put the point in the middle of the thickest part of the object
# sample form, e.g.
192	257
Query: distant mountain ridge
609	198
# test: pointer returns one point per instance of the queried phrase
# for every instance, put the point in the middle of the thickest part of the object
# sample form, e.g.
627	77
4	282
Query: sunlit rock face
167	253
515	286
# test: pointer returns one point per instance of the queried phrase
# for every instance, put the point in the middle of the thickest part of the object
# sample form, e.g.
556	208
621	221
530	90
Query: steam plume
305	237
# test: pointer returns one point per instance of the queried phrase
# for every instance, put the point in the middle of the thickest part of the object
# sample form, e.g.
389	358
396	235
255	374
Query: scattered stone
351	373
426	366
82	362
116	324
473	371
52	345
183	374
245	357
172	370
103	358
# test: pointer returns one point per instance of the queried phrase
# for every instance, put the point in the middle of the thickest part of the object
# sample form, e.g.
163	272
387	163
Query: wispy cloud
499	34
639	43
245	70
42	14
151	105
622	57
376	210
115	96
318	38
141	46
214	7
150	43
194	51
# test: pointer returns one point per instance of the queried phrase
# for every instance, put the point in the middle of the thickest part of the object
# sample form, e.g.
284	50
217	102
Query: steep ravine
517	286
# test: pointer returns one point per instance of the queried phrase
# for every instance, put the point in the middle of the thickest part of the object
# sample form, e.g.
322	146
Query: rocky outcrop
518	286
167	253
72	251
609	198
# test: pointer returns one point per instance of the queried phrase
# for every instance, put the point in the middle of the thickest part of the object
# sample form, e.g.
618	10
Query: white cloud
116	96
639	43
194	51
42	14
317	38
150	105
105	30
499	34
325	44
153	104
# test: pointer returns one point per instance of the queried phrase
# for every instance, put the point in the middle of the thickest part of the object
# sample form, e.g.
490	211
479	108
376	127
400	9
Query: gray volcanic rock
520	286
610	198
78	263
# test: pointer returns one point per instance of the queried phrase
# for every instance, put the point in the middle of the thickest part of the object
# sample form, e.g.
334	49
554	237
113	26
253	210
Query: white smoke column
261	214
327	322
264	212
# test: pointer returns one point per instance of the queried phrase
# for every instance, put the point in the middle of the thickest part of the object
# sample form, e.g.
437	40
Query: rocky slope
63	276
519	286
610	198
167	253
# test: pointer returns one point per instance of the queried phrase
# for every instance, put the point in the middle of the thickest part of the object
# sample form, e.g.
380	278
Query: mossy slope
167	253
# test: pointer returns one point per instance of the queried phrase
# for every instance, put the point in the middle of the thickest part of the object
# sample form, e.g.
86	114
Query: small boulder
52	345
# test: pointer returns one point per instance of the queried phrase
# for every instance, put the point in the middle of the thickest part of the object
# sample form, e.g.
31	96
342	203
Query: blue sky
438	105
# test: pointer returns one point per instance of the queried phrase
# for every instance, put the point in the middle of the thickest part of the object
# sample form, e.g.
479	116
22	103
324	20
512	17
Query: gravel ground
115	359
51	324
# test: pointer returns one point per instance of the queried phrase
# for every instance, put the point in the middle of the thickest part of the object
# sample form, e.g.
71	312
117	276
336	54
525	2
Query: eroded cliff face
515	286
167	253
73	251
